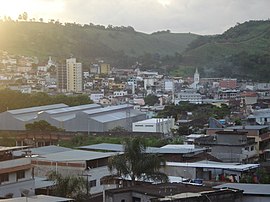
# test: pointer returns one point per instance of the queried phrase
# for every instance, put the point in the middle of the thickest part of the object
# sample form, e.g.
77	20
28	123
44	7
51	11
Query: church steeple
196	77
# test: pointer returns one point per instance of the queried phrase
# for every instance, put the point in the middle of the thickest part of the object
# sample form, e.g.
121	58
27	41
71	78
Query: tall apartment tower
62	77
74	75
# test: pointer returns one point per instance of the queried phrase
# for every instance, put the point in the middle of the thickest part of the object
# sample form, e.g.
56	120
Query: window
92	183
20	174
149	126
252	148
4	177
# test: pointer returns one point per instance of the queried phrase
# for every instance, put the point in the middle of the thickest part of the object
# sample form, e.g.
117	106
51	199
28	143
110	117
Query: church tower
196	77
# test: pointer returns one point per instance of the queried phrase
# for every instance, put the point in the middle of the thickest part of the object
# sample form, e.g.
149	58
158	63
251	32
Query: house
15	173
91	165
230	146
38	198
251	192
209	170
171	192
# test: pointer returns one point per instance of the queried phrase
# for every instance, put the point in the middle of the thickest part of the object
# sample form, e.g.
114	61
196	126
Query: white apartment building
74	75
15	174
194	98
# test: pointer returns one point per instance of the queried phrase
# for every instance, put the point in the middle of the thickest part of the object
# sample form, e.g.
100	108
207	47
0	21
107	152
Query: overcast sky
196	16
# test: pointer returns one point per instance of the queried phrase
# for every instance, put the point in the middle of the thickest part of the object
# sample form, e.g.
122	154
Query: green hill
242	51
88	41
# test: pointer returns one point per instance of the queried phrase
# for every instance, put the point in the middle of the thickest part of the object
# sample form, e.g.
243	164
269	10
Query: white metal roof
107	109
215	165
74	155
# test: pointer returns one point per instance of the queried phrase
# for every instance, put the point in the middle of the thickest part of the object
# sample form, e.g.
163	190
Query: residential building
15	174
74	75
251	192
105	68
95	97
170	192
62	78
228	83
93	166
191	97
230	146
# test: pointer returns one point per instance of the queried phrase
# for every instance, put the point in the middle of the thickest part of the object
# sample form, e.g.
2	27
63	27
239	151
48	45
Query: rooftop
249	189
74	155
71	109
37	198
36	109
215	165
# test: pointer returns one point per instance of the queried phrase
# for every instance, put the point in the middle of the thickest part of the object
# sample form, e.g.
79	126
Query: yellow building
105	68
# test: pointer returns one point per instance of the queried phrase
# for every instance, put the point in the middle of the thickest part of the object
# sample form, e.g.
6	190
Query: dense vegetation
243	51
86	41
16	100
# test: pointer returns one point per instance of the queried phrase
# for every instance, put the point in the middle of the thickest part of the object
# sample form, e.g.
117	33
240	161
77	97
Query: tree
25	16
151	100
69	186
137	164
41	126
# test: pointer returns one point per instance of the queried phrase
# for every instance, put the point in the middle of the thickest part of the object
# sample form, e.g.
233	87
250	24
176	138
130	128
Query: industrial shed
16	119
83	118
65	117
107	118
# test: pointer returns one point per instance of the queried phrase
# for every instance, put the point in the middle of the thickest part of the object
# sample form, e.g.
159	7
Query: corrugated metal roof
107	109
104	147
215	165
43	150
157	150
74	155
37	109
73	109
26	117
113	116
152	121
64	117
250	189
37	198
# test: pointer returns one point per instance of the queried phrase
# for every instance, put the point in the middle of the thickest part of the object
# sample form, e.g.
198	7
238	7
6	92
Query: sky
204	17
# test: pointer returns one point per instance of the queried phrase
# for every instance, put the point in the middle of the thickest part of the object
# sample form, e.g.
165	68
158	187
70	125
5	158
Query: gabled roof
75	108
36	109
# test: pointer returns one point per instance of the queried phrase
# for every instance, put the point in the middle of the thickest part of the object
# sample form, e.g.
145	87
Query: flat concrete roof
249	189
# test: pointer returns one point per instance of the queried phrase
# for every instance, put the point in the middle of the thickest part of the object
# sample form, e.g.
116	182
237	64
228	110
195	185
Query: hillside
242	51
52	39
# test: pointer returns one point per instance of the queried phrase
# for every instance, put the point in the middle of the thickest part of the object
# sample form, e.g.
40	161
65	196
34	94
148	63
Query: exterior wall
105	68
16	188
42	168
185	172
74	75
163	126
14	185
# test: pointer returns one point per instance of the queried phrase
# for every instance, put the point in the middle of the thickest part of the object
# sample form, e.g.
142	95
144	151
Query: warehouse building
154	125
16	119
83	118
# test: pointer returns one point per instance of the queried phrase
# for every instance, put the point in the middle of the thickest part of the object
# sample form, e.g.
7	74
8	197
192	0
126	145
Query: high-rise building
74	75
62	78
105	68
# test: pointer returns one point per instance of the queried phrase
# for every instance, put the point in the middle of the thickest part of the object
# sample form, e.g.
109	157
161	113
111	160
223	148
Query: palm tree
137	164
